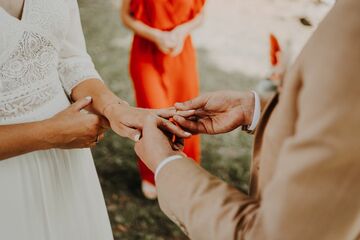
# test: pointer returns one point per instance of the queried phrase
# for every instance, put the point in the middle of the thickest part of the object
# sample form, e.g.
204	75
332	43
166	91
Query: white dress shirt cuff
257	112
165	162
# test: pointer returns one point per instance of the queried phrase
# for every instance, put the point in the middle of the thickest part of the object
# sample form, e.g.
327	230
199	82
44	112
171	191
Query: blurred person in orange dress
280	56
163	64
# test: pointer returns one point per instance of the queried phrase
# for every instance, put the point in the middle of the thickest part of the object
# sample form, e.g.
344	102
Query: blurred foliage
227	156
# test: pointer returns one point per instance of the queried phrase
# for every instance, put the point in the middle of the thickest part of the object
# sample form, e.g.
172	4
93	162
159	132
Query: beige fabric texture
306	161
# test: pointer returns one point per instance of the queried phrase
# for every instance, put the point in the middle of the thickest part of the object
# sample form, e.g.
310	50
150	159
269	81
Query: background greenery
227	156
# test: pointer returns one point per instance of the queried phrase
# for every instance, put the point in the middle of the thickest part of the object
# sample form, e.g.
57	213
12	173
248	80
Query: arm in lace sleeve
75	64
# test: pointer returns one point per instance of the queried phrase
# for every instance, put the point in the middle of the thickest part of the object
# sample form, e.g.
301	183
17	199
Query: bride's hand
73	128
128	121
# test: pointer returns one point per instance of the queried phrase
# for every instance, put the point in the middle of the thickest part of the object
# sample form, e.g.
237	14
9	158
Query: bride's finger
125	131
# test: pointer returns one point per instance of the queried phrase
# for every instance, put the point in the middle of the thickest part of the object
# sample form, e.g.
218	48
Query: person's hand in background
180	34
156	145
165	41
217	112
168	42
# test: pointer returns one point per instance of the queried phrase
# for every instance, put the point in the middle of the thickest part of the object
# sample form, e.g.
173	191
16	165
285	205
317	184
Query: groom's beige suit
306	161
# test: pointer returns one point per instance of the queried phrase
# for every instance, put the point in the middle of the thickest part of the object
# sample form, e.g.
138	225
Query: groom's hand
155	145
217	112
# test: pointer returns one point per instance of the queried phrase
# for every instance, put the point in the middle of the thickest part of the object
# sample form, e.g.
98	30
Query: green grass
226	156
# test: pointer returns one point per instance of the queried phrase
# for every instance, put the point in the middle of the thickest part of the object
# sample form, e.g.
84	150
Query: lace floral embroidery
25	77
27	103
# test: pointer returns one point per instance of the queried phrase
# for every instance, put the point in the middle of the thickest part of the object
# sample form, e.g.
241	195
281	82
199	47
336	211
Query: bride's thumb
81	103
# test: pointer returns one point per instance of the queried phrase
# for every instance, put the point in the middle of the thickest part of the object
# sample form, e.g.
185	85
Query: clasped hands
158	133
171	42
211	113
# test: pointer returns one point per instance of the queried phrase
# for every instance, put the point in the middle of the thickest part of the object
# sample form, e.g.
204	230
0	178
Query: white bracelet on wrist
165	162
256	115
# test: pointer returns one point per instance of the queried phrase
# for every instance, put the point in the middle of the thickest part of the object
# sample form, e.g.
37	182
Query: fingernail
137	137
89	98
187	134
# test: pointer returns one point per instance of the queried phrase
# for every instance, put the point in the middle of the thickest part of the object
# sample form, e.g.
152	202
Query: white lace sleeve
75	64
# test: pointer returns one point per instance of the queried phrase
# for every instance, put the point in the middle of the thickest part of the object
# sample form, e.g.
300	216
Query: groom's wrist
165	162
247	102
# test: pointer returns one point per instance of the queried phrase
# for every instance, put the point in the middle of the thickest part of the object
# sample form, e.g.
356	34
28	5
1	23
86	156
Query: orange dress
161	80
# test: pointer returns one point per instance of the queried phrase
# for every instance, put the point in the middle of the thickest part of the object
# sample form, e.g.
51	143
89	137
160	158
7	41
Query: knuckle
151	118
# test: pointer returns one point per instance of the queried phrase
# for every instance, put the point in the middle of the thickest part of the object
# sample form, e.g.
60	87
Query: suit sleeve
314	191
202	205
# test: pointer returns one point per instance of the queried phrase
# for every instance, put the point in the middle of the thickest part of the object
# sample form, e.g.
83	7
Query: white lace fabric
49	194
41	55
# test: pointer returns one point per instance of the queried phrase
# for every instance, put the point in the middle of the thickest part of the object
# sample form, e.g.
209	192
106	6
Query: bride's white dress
53	194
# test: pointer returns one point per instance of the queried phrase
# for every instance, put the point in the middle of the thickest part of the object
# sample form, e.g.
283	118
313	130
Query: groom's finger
195	103
186	114
171	111
178	144
165	112
166	125
192	126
